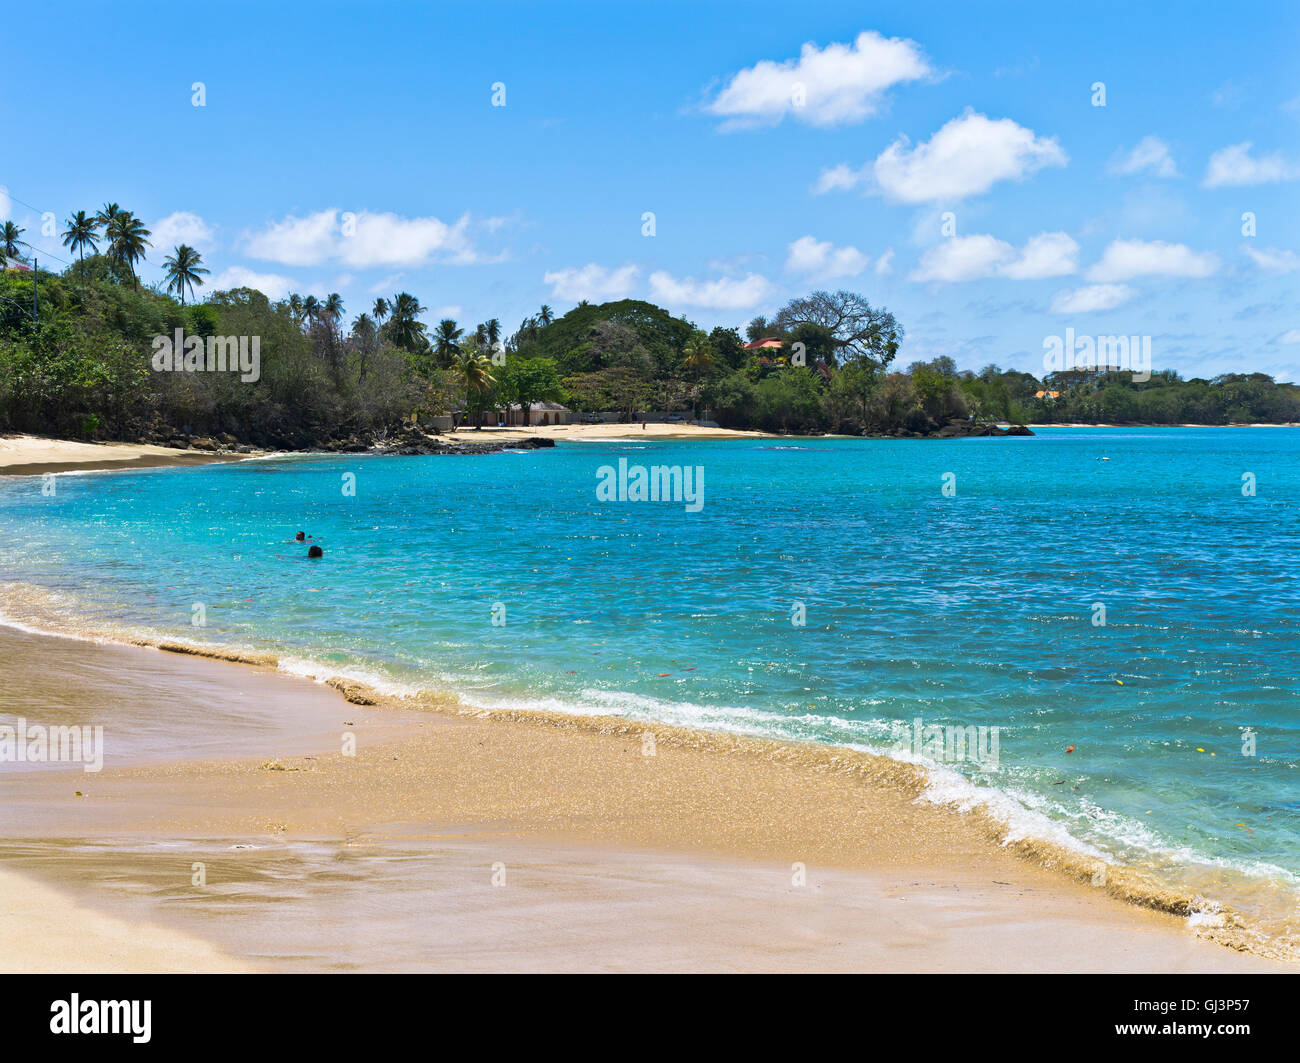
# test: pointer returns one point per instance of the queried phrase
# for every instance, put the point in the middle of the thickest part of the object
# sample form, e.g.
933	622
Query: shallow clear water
976	609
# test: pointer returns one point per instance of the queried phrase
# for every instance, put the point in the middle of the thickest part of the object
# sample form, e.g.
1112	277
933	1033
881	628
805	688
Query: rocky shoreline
408	441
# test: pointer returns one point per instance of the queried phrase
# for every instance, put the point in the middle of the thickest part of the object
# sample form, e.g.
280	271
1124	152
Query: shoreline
539	780
28	455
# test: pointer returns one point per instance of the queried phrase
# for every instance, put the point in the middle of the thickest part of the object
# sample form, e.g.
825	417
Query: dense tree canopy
75	359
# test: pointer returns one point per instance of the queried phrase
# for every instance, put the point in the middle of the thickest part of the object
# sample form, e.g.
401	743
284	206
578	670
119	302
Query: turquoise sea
504	578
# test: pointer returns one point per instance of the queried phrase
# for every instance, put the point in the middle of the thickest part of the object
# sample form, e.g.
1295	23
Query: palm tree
184	270
9	237
364	328
127	240
404	328
380	310
545	315
699	353
493	332
295	308
332	310
311	309
480	336
473	369
80	234
446	339
107	213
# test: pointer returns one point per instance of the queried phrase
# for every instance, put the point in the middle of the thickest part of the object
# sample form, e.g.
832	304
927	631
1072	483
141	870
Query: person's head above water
315	551
300	537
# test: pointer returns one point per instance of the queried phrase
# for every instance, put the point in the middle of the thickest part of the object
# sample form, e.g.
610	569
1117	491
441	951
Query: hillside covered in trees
77	359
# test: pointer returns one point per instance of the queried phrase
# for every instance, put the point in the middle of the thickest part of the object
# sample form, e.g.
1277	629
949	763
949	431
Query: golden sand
581	796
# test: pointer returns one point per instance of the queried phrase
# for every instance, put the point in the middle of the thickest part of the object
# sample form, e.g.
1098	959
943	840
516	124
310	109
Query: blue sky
781	148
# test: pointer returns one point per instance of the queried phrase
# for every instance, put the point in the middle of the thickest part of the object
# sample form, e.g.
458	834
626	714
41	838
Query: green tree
855	328
127	239
473	370
528	380
184	270
9	237
446	341
404	327
80	234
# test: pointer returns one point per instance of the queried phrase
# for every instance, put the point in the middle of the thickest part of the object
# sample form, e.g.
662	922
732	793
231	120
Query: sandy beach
467	840
33	455
25	455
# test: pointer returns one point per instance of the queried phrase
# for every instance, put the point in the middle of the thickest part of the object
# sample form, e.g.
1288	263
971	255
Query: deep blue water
975	609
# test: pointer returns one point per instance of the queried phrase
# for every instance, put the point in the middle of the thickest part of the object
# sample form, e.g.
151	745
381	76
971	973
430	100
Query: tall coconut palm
364	329
332	310
446	339
698	353
9	238
404	327
473	369
493	332
545	315
311	310
295	308
380	310
107	213
127	238
80	234
480	335
184	270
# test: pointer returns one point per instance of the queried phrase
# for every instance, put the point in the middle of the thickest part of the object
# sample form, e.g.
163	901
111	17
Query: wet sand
711	854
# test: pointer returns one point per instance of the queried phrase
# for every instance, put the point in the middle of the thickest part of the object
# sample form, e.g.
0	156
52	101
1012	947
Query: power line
38	210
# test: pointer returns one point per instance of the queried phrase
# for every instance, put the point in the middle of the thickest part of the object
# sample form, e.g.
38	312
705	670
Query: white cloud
181	227
1150	156
885	263
308	241
1290	336
272	285
966	157
592	282
1125	259
839	178
963	258
726	293
1044	255
840	83
386	285
362	239
1273	259
968	258
1091	298
1234	165
822	259
390	240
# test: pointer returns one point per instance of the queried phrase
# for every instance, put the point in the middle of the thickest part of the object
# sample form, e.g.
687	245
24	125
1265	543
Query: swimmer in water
315	551
300	537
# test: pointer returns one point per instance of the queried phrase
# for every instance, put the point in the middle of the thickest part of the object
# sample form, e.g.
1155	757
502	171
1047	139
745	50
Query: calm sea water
975	609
